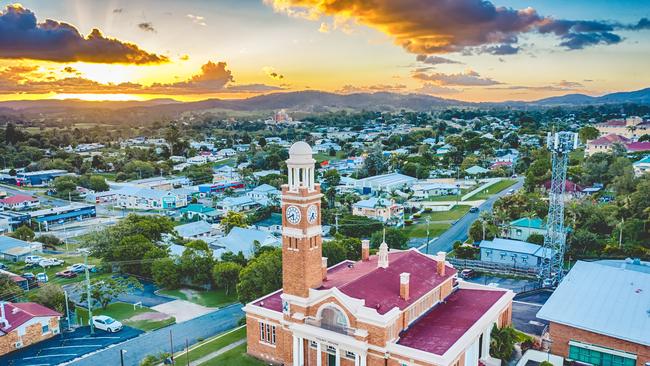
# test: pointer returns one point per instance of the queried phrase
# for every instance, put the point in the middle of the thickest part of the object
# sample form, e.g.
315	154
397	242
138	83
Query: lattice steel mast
560	144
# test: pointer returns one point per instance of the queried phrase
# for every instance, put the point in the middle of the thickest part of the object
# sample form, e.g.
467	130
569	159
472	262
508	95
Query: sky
470	50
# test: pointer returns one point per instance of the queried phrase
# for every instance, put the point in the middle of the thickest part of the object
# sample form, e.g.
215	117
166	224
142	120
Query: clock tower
301	224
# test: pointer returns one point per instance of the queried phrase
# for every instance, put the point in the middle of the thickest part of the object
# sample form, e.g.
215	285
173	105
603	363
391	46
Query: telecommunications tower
560	144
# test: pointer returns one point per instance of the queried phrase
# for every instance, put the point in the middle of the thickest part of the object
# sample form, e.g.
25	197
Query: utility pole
90	308
336	223
67	310
187	351
171	345
428	234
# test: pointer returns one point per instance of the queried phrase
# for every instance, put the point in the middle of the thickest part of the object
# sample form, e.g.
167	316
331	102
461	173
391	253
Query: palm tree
502	343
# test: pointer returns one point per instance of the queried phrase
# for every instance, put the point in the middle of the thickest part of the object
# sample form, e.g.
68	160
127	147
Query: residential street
159	341
459	230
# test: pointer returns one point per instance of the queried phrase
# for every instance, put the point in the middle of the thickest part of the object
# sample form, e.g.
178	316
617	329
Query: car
80	267
106	323
50	262
3	266
33	259
467	273
66	274
511	191
473	210
42	277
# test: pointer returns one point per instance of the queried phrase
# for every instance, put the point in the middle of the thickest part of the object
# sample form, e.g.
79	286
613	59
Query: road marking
39	364
61	355
83	346
533	322
528	303
70	339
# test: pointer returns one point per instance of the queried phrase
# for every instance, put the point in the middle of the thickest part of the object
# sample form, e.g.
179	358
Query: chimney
324	267
441	263
383	256
365	250
3	320
404	286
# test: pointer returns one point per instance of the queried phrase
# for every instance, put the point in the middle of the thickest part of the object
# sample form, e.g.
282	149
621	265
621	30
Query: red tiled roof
439	329
638	146
613	123
19	198
609	139
19	313
379	287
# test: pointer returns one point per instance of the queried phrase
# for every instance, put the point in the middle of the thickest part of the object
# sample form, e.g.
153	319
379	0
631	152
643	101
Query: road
158	341
45	200
459	230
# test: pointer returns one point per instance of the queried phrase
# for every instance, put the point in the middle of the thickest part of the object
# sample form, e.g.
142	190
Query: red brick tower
301	224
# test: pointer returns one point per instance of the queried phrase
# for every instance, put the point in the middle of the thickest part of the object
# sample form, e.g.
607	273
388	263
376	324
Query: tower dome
300	148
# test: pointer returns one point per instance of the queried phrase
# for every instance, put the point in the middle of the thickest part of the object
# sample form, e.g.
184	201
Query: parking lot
515	284
524	311
66	346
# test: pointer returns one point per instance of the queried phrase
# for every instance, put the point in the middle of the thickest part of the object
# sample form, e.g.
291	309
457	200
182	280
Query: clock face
312	214
293	214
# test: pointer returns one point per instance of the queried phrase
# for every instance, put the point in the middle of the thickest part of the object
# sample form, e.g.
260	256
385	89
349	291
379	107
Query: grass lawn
324	156
211	345
122	311
492	190
235	357
213	298
420	230
454	214
449	198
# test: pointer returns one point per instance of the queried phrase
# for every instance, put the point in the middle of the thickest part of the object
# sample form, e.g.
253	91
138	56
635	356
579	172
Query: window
45	329
349	354
313	344
267	333
598	358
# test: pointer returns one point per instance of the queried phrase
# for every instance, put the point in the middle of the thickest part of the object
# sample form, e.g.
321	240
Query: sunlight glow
99	97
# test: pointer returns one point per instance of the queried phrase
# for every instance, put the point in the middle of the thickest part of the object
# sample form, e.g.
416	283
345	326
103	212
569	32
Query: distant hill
305	101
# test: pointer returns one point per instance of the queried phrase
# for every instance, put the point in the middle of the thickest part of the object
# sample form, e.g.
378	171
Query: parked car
473	209
50	262
3	266
29	276
42	277
106	323
80	267
511	191
467	273
33	259
66	274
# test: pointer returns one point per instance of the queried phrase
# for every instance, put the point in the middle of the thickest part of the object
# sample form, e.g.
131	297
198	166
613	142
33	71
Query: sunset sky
189	50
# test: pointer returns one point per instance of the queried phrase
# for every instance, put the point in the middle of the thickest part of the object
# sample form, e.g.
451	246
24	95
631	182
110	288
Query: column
319	355
338	356
363	359
357	359
296	351
301	357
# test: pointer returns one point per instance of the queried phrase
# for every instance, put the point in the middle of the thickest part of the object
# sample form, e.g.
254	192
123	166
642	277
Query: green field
454	214
210	345
235	357
420	230
492	190
122	311
324	156
213	298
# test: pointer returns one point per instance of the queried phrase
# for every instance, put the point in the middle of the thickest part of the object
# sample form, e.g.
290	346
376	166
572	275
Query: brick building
26	323
394	308
600	314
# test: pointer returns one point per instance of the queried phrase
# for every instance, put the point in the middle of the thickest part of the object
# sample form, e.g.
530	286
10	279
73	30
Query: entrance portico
329	347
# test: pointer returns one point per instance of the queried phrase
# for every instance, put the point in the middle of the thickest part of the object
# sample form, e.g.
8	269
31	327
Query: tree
466	252
334	251
132	249
535	239
332	178
104	290
502	342
395	238
23	233
196	263
226	275
51	296
165	273
263	275
358	226
237	258
9	288
66	186
97	183
199	174
49	240
587	133
233	219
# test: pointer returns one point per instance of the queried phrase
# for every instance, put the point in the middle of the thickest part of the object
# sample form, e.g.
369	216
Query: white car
50	262
33	259
80	267
42	277
106	323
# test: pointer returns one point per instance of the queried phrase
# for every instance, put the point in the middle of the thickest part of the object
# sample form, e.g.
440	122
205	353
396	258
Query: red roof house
23	324
19	202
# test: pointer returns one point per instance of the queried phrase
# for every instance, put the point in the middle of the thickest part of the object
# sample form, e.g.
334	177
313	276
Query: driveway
159	341
182	310
459	230
67	346
524	311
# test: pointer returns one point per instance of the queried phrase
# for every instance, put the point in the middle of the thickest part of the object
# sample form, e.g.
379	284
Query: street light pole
67	310
122	352
90	308
428	235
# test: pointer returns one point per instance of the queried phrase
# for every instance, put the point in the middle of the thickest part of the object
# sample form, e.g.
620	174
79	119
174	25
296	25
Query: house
264	192
513	252
442	150
202	212
244	240
48	217
642	166
11	220
210	189
38	178
380	209
272	224
630	127
21	281
607	142
524	227
20	202
237	204
433	189
598	314
570	189
325	147
25	323
394	308
148	199
194	230
15	250
476	170
225	173
384	183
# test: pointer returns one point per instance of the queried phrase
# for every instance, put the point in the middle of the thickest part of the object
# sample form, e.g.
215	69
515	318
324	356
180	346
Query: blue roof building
243	240
513	252
15	250
524	227
194	230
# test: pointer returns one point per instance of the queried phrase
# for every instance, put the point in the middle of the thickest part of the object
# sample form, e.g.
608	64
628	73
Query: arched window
333	319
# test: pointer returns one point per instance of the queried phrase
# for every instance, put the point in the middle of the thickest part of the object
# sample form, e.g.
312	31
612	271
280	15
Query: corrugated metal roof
612	301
